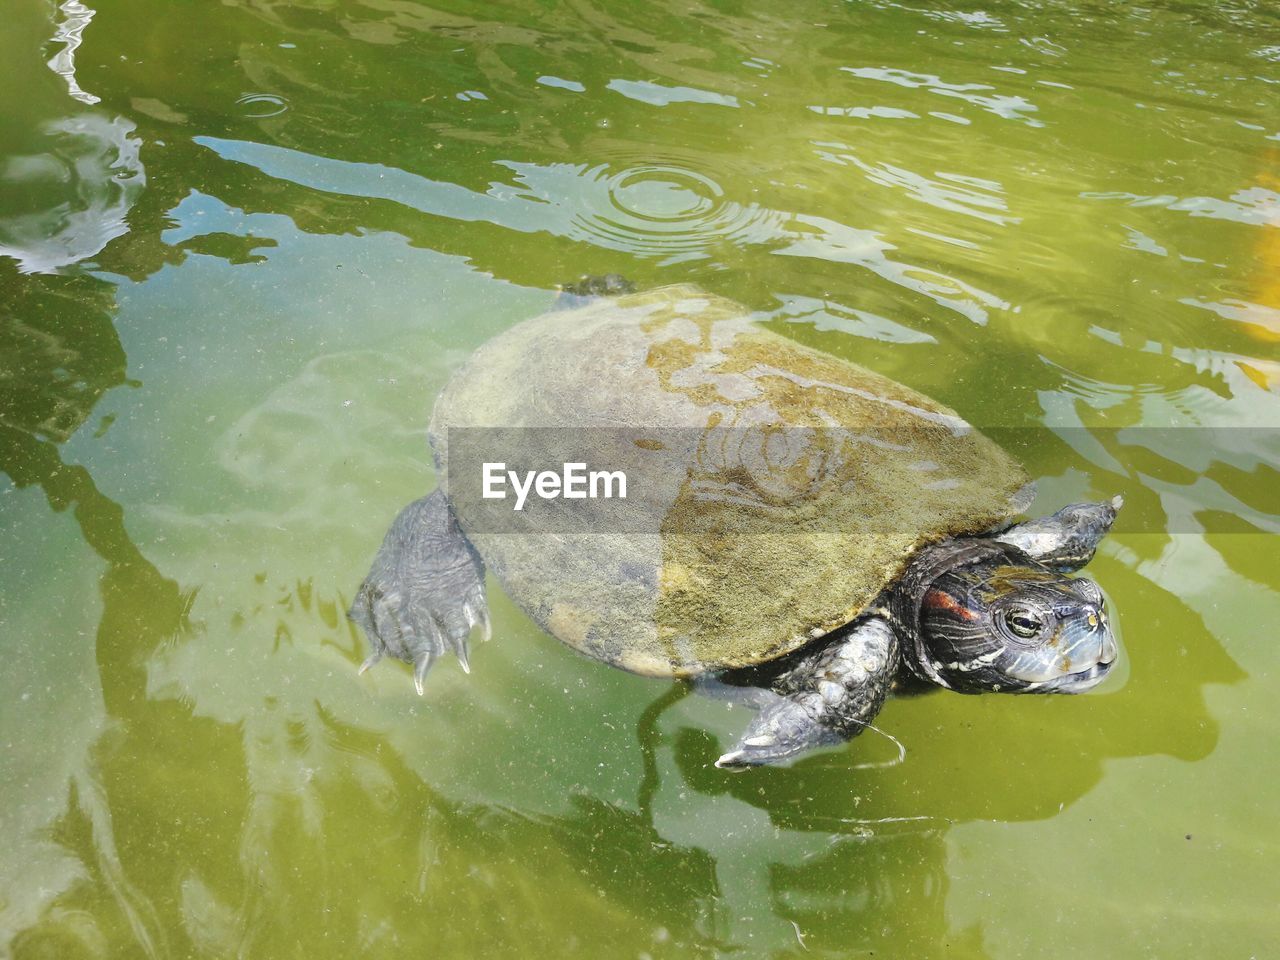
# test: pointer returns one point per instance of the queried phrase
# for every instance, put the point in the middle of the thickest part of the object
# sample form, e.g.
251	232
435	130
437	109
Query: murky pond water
243	245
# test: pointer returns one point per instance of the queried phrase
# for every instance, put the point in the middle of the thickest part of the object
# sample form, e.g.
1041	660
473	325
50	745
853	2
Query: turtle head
1010	624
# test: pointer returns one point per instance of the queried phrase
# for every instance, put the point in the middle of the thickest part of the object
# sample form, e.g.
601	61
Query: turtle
811	534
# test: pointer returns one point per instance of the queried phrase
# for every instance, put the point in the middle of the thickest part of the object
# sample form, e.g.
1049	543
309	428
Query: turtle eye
1023	623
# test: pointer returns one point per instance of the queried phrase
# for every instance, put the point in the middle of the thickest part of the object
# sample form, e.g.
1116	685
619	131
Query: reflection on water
548	199
76	16
72	199
214	383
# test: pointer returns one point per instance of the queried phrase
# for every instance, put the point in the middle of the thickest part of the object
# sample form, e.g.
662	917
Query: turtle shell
783	488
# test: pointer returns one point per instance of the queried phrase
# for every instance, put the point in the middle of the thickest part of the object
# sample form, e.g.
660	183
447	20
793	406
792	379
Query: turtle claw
754	752
828	696
424	593
478	617
734	761
784	729
420	668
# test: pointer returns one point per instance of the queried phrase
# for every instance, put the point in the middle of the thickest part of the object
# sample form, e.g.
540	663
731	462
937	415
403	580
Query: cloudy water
244	244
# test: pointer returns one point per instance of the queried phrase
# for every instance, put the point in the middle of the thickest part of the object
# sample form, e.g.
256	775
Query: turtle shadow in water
882	886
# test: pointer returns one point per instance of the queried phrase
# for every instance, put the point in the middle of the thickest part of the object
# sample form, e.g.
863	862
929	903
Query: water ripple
658	209
1007	107
650	210
1256	206
259	106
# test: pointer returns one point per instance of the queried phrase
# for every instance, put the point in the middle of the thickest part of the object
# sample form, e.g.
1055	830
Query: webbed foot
829	696
782	730
424	592
1067	539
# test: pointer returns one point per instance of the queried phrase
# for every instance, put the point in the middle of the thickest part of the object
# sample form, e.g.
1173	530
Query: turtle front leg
828	696
424	592
1067	540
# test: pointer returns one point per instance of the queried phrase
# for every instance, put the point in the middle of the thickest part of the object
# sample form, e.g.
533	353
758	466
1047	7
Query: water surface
243	245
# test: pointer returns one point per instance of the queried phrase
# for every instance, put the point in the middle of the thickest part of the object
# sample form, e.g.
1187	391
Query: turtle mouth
1080	681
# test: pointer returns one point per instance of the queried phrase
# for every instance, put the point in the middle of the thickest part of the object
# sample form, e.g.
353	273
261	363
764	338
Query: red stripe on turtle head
939	599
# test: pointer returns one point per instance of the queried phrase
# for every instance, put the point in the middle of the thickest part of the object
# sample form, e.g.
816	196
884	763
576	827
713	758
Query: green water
232	285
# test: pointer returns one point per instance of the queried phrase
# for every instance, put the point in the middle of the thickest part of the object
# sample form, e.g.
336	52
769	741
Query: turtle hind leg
1067	539
424	592
830	695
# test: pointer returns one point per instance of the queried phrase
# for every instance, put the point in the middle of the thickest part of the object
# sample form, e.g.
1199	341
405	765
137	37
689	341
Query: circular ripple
661	194
662	209
258	106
